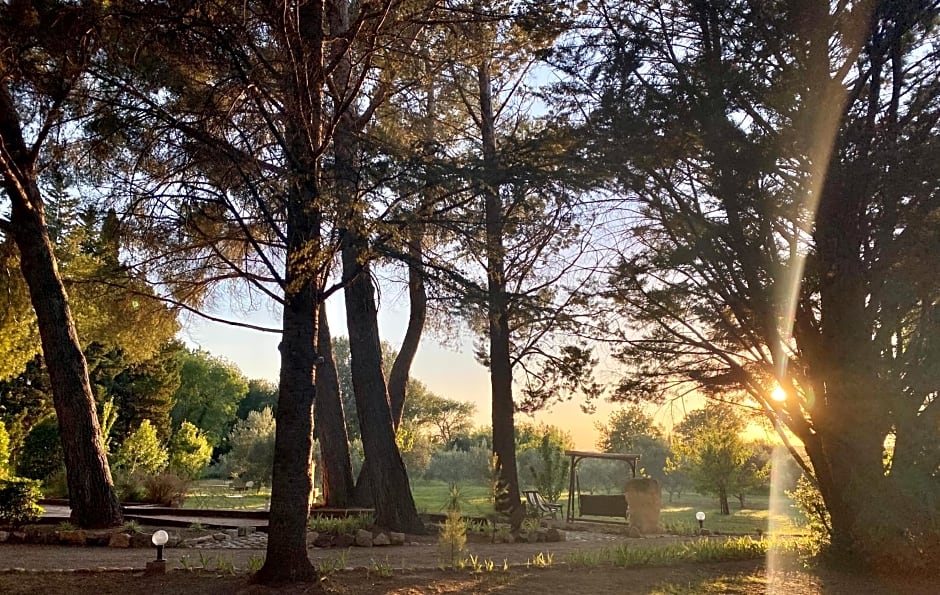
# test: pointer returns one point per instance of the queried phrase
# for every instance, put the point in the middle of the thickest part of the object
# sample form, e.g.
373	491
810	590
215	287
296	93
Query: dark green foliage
19	501
261	393
550	474
209	393
140	390
41	455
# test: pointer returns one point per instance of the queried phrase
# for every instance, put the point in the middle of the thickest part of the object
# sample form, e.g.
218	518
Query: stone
363	538
645	502
554	535
119	540
381	539
71	537
396	538
231	533
312	536
323	541
219	536
156	567
345	540
4	535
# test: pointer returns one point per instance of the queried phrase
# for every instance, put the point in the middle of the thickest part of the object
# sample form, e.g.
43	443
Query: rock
396	538
219	536
231	533
4	535
323	541
141	540
532	537
541	535
363	538
312	536
345	540
71	537
554	535
381	539
645	499
119	540
18	535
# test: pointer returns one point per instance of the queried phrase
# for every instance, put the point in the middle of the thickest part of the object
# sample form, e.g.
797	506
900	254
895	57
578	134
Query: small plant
19	501
338	526
224	565
65	526
255	564
333	563
132	527
204	560
453	537
381	569
197	526
541	560
185	564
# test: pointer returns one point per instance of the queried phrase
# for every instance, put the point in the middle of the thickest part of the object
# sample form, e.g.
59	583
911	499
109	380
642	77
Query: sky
448	370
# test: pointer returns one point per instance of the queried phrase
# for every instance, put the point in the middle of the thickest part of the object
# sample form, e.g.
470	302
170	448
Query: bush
129	486
42	451
4	452
190	451
56	485
252	442
19	501
141	451
460	467
165	489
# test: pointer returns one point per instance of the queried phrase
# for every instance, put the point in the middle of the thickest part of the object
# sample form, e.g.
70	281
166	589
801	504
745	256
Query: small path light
700	517
158	539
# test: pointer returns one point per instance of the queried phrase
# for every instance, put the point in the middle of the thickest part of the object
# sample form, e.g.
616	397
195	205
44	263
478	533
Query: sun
778	394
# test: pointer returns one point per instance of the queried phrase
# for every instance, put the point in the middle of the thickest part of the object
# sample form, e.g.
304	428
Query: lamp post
158	539
700	517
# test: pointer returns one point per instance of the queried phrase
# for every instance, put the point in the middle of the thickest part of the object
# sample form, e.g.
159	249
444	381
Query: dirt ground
411	570
744	578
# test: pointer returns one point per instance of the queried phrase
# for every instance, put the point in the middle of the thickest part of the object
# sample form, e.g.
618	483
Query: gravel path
247	551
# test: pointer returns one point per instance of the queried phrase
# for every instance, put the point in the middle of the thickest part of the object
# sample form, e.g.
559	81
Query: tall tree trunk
330	424
387	477
91	490
504	431
418	309
305	271
292	480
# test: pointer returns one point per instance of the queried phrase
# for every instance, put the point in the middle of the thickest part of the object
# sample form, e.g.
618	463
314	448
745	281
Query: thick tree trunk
91	491
292	480
305	270
504	431
330	425
387	478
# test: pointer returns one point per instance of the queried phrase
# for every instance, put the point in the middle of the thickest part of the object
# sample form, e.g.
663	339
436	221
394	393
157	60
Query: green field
475	501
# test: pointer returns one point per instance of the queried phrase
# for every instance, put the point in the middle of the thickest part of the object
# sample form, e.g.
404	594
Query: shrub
19	501
129	486
190	451
549	471
811	504
141	451
56	485
165	489
42	451
4	452
252	442
459	466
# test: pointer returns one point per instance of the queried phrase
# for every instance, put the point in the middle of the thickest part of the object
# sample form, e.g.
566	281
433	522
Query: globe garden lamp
700	517
158	539
778	394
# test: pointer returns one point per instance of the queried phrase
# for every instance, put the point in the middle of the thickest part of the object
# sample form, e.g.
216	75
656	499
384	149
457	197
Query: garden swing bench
612	505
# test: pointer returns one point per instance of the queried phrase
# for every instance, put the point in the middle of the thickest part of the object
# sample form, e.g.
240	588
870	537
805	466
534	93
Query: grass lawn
433	496
218	495
678	516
